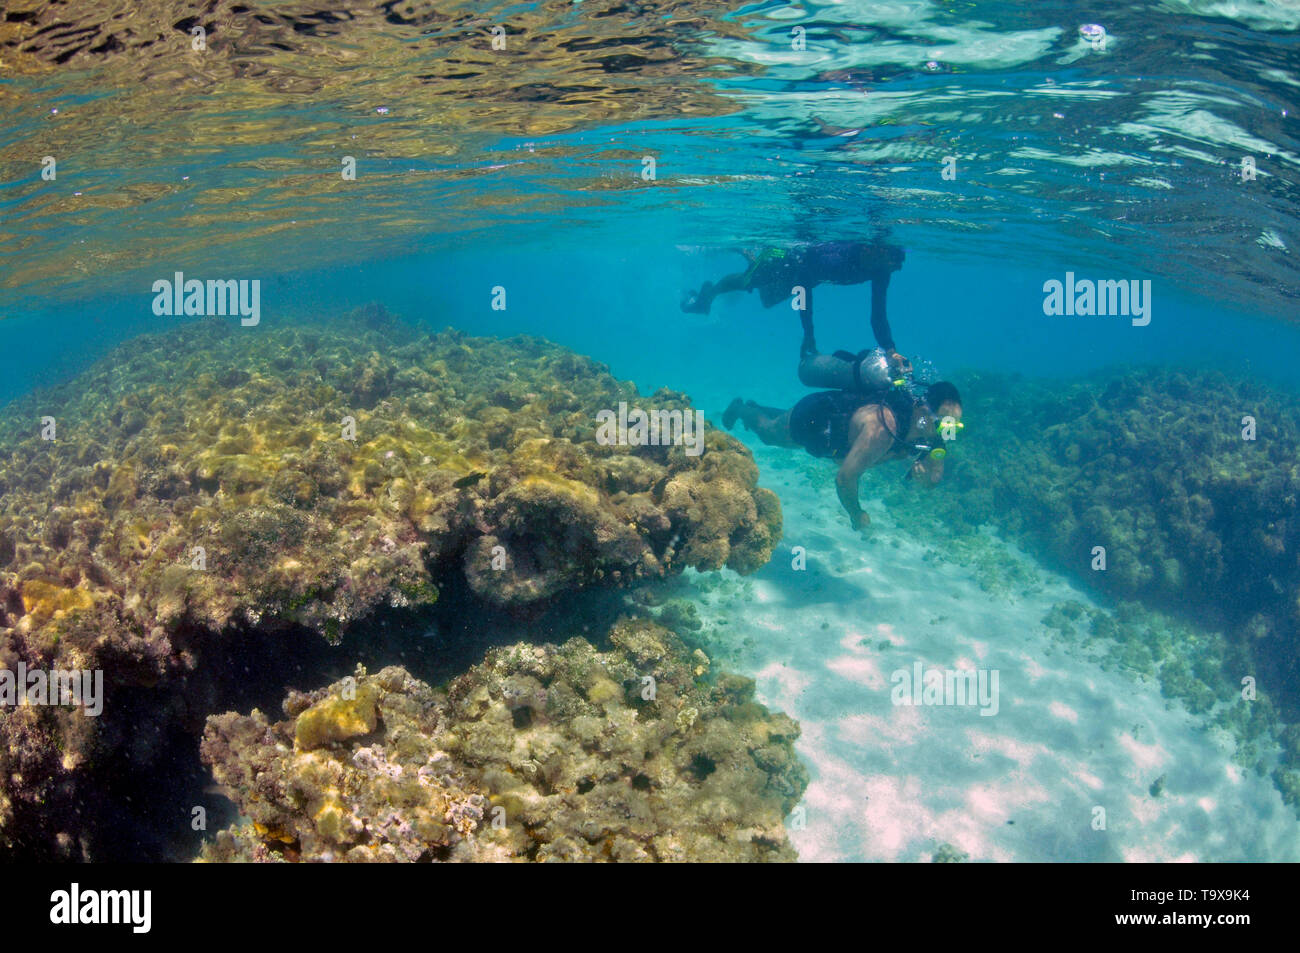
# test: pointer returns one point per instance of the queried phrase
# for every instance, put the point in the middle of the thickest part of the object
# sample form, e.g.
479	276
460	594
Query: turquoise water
1113	160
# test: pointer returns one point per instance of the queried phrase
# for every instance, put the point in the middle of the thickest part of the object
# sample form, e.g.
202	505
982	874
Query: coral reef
1196	520
1152	465
542	752
211	477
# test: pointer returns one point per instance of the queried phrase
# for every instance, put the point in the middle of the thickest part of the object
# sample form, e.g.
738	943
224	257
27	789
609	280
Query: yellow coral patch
269	833
44	600
329	820
337	719
563	485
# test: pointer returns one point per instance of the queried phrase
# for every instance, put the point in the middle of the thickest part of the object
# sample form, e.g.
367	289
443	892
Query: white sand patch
865	671
1058	710
1069	742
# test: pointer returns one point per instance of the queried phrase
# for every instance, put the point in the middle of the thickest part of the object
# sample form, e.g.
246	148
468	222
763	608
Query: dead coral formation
206	477
320	787
539	753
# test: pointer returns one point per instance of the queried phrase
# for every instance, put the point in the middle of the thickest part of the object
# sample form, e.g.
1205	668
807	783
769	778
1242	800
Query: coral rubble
209	478
542	752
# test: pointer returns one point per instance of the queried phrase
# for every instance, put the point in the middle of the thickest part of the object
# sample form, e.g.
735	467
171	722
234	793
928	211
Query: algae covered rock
1195	509
334	719
542	752
322	787
310	474
210	479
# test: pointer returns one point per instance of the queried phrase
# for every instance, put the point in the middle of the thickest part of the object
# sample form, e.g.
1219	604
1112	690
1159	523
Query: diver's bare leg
701	301
771	424
807	347
879	315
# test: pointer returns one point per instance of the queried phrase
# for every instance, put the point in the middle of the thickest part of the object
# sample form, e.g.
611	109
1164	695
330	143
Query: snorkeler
861	430
775	272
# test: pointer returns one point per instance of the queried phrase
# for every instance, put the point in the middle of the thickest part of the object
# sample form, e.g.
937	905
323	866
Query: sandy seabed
896	782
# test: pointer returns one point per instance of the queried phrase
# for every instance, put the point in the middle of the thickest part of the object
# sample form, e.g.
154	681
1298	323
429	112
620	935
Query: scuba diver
776	272
872	409
861	430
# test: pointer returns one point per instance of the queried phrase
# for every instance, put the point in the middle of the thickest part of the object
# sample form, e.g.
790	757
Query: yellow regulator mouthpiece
938	453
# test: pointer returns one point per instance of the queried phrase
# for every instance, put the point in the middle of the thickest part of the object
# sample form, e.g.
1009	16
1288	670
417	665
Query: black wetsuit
820	422
775	270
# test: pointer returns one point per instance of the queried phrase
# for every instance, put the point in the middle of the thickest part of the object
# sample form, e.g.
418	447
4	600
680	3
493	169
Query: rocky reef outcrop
542	752
1152	465
215	478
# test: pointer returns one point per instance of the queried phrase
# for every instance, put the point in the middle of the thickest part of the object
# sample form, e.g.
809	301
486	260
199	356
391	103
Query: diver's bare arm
866	451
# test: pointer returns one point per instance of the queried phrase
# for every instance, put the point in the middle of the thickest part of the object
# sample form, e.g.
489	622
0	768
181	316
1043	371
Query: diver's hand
902	364
859	521
926	475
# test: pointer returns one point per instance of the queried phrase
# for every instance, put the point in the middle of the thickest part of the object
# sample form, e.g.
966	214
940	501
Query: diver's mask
933	446
945	432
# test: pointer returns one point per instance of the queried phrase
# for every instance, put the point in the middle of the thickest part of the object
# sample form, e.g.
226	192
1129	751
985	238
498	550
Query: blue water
621	306
1116	163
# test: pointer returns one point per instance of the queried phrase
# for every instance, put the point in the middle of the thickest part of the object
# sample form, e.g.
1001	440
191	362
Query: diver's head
938	424
943	399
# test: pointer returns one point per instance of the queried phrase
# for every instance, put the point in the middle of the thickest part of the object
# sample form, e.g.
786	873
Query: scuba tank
865	372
